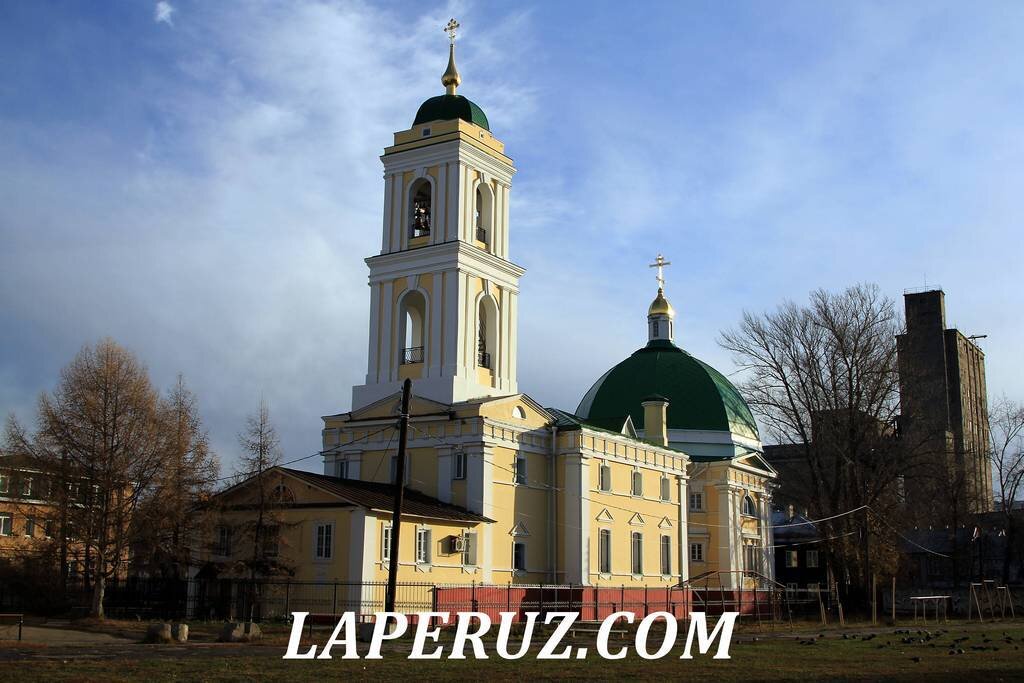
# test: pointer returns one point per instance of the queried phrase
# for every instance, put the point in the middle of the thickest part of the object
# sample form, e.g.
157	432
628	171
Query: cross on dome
451	28
451	78
660	264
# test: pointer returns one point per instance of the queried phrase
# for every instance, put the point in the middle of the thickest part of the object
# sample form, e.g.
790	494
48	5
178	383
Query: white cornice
454	255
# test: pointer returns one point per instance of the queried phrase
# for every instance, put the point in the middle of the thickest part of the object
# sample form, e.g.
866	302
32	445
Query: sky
200	181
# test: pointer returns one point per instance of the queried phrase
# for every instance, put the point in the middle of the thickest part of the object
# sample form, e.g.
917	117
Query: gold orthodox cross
660	264
451	28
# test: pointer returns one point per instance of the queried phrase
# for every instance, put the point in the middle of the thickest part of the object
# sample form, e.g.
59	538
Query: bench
12	619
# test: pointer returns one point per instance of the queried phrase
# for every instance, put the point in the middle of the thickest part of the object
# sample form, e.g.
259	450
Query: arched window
412	321
518	413
419	208
482	214
282	494
486	332
749	508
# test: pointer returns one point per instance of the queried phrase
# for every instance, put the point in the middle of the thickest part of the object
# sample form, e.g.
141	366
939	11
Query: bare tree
823	379
104	418
261	451
1006	433
166	523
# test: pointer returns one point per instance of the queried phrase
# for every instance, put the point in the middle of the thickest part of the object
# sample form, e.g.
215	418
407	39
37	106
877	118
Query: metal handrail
412	354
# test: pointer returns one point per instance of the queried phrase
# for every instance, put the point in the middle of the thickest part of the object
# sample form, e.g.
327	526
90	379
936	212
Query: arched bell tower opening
412	331
483	214
486	333
421	215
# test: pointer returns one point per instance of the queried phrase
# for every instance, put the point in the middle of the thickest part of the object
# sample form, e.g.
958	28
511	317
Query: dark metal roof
699	397
450	107
379	496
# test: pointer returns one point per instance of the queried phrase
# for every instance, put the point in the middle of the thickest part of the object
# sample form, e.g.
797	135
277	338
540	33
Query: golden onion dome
660	305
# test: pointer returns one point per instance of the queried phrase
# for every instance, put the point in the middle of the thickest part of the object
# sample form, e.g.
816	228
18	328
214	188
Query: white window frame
519	556
385	543
636	484
6	520
792	559
636	553
604	551
323	541
696	551
666	555
5	483
459	464
522	470
604	477
752	505
811	559
424	541
26	487
30	526
666	489
342	468
698	497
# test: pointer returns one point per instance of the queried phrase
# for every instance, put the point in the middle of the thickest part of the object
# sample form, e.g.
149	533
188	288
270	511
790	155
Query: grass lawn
838	655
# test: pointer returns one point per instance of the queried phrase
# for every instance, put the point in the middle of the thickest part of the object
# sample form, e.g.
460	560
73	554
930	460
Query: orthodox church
656	477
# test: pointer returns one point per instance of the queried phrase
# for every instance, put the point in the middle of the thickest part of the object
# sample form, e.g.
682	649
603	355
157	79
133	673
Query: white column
398	214
439	233
451	225
373	360
682	533
577	519
389	185
767	551
386	361
501	367
511	381
504	189
479	499
453	287
437	305
727	533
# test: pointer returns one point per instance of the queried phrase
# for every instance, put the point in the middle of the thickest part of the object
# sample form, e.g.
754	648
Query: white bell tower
443	294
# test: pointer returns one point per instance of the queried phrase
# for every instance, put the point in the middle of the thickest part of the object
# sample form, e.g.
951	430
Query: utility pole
396	520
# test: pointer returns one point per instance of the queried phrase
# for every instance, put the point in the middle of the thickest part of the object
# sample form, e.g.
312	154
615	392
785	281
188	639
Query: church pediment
605	516
519	530
628	429
754	461
390	406
636	520
665	523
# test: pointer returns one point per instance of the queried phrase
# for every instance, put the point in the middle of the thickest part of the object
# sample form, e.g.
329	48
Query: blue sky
200	180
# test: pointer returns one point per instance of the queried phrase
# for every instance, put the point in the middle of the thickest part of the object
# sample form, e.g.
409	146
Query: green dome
449	107
699	397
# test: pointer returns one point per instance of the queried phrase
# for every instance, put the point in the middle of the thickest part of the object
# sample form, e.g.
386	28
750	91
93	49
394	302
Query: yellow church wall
524	505
616	511
444	566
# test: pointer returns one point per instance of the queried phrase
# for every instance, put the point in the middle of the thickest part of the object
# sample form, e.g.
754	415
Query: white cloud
163	13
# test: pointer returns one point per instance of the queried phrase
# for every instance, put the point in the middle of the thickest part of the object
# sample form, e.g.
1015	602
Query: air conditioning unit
457	544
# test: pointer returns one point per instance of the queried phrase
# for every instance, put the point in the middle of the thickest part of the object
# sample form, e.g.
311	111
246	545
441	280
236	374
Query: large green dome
699	397
450	107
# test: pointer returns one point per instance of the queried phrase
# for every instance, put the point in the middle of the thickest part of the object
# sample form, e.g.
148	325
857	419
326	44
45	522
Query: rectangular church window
638	553
605	478
604	551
